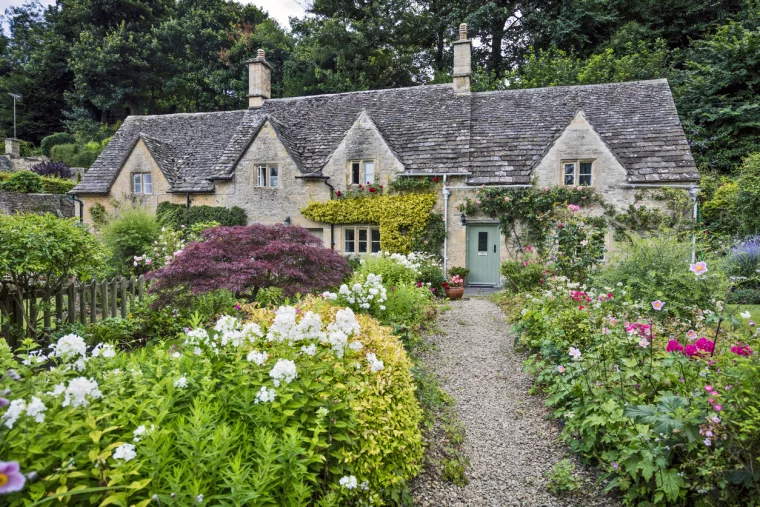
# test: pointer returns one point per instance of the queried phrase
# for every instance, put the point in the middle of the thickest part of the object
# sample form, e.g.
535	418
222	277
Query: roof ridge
565	87
358	92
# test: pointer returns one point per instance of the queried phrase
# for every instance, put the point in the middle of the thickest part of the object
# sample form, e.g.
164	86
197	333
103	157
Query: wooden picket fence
77	302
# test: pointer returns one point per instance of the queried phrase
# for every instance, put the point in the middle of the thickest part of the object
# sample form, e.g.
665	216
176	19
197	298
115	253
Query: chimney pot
259	80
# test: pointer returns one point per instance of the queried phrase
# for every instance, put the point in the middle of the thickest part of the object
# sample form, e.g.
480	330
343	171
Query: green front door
483	254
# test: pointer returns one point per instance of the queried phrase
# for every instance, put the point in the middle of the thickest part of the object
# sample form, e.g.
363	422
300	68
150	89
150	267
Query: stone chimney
462	61
259	80
12	147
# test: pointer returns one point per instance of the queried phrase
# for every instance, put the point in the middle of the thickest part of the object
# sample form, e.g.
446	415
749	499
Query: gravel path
509	442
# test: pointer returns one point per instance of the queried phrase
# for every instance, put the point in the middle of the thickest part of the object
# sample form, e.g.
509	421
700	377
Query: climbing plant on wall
526	215
401	218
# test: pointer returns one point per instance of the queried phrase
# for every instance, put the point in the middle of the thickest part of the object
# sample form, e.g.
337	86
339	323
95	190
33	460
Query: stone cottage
280	154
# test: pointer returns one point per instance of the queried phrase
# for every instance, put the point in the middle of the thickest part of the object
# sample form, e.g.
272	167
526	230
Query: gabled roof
194	141
496	137
637	120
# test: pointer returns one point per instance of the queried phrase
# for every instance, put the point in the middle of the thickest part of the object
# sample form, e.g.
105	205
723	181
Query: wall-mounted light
463	219
287	220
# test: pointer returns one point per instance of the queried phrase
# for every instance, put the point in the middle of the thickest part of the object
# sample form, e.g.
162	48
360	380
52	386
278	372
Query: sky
278	9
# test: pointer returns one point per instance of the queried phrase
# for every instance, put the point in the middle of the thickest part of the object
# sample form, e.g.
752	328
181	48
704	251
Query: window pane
147	184
355	173
362	240
584	174
375	240
569	174
369	172
348	239
137	183
273	176
483	241
262	177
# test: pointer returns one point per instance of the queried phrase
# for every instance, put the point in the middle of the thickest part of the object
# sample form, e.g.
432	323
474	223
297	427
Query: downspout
187	195
81	207
332	226
446	193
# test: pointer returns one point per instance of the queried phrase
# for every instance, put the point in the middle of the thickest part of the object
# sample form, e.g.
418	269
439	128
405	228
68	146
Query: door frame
497	275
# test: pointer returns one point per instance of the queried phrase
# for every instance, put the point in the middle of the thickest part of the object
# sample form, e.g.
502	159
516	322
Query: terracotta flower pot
454	292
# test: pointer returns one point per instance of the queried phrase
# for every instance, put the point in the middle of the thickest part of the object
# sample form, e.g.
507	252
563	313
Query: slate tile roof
495	137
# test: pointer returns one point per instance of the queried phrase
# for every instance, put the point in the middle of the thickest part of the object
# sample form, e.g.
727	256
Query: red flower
372	190
338	193
435	179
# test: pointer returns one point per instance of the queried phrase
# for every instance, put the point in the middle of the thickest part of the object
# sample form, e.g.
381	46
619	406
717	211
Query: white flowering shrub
317	381
365	294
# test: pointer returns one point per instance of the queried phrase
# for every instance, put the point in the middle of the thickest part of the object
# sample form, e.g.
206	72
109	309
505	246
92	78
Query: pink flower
700	268
237	307
644	343
4	402
419	284
691	334
708	388
705	345
579	188
573	208
674	346
714	393
605	330
478	203
506	199
657	305
135	263
561	369
147	262
546	189
710	400
11	479
615	465
707	442
613	321
717	407
742	350
691	350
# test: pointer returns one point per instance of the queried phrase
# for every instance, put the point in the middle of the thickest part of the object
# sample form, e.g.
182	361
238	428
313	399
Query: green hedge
56	139
178	214
52	185
76	155
29	184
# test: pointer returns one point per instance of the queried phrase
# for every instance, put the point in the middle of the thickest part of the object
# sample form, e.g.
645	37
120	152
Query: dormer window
577	172
361	172
142	183
267	176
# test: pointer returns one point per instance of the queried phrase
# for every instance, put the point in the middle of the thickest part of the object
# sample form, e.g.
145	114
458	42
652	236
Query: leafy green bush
65	153
24	182
431	275
45	251
52	140
52	185
744	297
129	234
656	268
177	215
394	268
259	413
522	275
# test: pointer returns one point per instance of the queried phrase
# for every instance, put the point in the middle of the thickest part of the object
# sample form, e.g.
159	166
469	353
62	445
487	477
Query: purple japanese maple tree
244	259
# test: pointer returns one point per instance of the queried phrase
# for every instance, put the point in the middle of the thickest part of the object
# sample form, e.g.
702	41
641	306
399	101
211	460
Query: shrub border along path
508	441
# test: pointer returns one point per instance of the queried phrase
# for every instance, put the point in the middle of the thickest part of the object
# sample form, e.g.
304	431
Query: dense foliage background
82	64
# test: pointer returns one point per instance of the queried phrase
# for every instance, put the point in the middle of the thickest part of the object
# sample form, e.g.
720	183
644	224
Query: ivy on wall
401	218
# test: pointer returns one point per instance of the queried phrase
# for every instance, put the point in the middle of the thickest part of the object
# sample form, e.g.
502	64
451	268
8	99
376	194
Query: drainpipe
74	198
187	195
693	191
332	236
446	193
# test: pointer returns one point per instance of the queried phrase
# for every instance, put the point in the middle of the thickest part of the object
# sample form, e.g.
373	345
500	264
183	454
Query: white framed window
361	239
578	172
142	183
267	176
361	172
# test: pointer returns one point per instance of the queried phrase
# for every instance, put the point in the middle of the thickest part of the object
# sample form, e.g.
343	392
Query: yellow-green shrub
208	435
401	217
